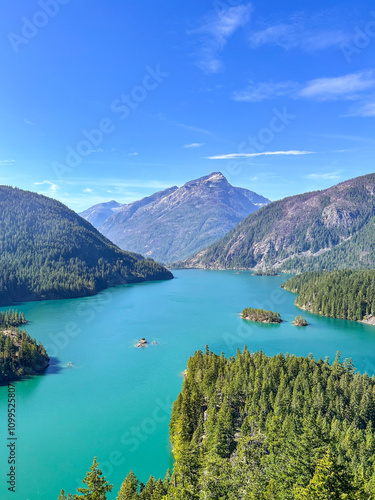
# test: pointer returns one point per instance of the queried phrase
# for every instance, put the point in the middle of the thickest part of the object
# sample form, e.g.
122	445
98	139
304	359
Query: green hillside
48	252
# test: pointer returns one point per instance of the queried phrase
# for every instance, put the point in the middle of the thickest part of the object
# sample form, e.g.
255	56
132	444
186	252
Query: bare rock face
329	229
178	222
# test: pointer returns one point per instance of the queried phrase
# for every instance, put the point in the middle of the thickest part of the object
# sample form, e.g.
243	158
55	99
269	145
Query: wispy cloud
28	122
133	154
194	145
342	87
53	187
117	183
5	163
353	138
348	87
191	128
214	34
239	156
298	35
265	90
363	110
324	176
88	190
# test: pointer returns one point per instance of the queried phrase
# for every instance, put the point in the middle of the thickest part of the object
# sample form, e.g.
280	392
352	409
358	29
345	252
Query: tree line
345	294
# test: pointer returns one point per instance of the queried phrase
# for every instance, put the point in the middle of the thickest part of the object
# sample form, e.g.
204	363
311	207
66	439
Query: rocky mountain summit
178	222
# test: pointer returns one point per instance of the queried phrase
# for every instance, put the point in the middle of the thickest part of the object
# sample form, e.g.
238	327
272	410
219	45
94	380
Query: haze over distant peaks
97	214
175	223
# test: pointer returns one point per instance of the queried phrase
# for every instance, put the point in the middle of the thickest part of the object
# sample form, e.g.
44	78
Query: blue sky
116	100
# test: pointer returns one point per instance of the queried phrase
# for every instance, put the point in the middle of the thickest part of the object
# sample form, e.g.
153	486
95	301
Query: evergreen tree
129	488
97	486
330	481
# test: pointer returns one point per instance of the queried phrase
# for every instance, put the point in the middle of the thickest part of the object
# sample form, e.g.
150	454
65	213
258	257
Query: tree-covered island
300	321
261	316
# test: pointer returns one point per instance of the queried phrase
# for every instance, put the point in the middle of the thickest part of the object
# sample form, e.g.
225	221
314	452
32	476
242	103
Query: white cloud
266	90
53	187
324	176
298	35
215	33
133	154
194	145
87	190
28	122
344	87
238	156
347	87
4	163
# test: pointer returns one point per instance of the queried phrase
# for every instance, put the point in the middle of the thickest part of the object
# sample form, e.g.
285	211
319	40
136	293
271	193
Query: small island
300	321
20	355
265	272
260	315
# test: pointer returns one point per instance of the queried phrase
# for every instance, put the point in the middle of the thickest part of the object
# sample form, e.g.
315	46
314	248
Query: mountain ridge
302	232
177	222
47	251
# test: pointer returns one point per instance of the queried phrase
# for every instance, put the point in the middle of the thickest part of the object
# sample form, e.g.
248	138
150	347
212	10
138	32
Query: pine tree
62	496
129	488
97	485
330	481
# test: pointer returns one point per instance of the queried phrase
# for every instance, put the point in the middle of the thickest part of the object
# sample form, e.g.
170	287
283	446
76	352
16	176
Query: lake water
114	400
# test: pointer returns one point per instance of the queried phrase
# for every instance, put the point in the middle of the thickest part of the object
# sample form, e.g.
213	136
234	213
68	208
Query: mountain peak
216	176
212	177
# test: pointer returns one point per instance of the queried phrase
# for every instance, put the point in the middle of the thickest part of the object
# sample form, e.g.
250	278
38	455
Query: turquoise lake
114	400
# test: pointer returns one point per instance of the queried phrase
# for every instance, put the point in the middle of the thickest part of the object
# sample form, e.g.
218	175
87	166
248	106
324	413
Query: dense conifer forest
19	354
258	427
48	252
346	294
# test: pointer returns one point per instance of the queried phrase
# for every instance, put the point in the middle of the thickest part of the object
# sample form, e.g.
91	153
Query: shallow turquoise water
114	401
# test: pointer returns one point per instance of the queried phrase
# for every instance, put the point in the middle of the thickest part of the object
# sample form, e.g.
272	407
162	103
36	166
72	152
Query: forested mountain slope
328	229
48	252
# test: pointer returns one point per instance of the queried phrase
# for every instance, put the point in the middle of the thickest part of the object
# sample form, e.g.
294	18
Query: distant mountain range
176	223
99	213
330	229
48	252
